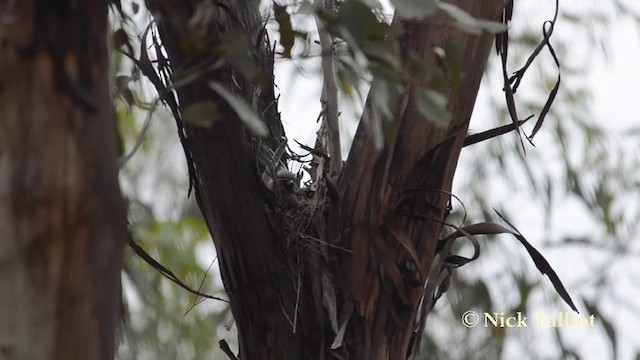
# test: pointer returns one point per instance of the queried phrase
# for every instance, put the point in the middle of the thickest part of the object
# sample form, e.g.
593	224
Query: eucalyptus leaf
123	90
380	92
415	8
373	4
433	105
203	113
350	74
468	22
235	49
245	112
359	27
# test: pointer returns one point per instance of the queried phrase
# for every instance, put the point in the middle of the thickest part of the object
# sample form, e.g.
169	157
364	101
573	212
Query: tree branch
330	88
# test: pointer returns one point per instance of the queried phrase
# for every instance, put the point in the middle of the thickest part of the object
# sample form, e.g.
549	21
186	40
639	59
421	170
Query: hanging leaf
203	113
123	90
360	28
414	9
432	105
380	91
541	263
404	239
454	63
244	111
470	24
235	49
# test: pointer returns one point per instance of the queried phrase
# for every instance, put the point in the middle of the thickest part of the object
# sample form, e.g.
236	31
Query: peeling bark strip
62	218
357	295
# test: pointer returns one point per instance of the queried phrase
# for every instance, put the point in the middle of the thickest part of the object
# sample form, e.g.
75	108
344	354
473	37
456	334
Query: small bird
288	186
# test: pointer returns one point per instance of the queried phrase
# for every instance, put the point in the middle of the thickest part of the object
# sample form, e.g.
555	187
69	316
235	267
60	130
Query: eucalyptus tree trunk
350	296
62	218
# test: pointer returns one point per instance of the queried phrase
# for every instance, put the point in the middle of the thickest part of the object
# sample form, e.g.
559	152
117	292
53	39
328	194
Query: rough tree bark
62	218
387	211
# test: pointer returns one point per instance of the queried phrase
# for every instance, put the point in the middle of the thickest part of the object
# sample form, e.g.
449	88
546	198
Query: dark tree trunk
347	298
62	218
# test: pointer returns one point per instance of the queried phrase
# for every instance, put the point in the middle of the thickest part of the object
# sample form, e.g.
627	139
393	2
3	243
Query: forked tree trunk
351	298
62	218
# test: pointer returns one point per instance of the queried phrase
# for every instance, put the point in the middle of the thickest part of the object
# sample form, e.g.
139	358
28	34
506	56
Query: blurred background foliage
161	320
574	196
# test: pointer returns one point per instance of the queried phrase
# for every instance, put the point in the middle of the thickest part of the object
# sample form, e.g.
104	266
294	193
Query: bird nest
295	208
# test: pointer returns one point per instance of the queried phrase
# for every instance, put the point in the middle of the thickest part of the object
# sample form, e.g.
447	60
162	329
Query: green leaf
235	49
415	8
433	105
381	94
358	26
346	84
373	4
248	116
386	53
204	15
123	90
203	113
469	23
350	74
454	63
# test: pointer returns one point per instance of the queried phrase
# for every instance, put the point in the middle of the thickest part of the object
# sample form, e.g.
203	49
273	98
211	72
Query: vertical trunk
253	262
62	218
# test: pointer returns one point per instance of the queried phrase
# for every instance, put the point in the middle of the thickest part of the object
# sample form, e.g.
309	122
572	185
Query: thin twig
195	299
284	312
163	270
295	310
